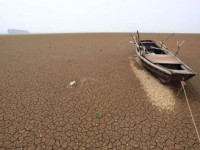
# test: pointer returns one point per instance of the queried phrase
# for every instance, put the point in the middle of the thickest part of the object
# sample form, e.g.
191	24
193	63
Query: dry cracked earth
109	107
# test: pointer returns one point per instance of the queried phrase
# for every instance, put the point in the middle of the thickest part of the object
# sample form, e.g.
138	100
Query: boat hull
164	77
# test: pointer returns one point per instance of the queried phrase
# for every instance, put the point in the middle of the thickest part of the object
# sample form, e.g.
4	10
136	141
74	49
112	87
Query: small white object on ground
72	83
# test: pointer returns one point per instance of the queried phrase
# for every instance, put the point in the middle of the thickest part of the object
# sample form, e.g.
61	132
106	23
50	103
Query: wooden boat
164	64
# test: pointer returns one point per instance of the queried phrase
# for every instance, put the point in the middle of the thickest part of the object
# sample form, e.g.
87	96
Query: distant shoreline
96	33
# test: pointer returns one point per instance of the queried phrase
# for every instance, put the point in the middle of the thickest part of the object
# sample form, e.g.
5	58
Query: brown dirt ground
39	110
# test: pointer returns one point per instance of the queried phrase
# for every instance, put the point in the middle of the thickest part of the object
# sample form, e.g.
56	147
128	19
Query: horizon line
44	33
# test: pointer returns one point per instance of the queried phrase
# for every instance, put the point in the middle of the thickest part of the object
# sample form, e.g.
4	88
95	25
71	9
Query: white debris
72	83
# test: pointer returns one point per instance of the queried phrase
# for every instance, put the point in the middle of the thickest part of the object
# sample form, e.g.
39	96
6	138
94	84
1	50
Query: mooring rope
183	87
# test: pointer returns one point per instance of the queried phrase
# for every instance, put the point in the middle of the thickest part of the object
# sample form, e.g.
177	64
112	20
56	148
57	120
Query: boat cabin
155	54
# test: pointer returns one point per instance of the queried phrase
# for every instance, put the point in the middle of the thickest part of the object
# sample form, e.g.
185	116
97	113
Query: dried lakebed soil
110	104
159	95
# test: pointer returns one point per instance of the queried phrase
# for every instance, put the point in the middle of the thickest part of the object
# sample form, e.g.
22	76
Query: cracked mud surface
38	110
159	95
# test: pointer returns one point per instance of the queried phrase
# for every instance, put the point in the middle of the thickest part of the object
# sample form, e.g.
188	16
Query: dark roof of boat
149	41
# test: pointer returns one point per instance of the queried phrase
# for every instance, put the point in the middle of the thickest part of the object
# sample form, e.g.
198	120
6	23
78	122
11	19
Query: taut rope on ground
183	87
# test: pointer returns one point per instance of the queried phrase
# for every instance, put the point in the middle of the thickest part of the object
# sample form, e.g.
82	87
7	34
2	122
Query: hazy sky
100	15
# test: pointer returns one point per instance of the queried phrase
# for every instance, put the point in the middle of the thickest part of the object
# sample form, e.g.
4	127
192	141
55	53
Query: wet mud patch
159	95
